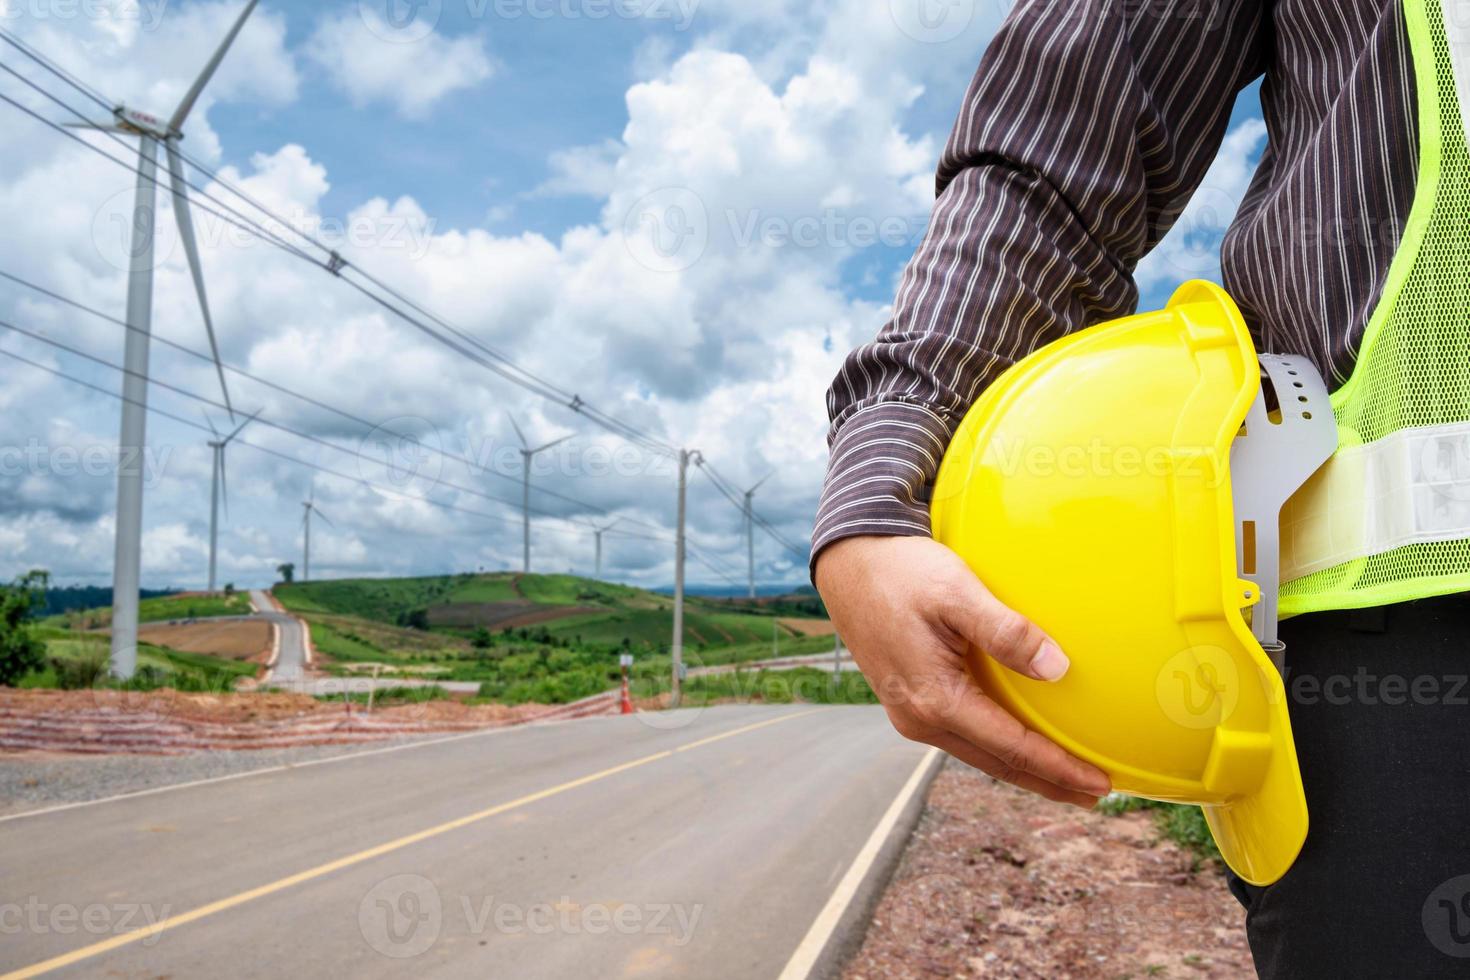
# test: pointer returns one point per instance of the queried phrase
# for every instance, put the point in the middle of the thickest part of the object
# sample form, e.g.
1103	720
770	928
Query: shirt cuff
883	463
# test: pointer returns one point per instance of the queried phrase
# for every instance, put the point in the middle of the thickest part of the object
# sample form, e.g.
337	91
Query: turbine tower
310	507
597	533
151	132
218	486
527	454
750	531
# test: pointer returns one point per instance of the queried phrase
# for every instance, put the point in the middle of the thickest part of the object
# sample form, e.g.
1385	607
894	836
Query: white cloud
707	301
355	51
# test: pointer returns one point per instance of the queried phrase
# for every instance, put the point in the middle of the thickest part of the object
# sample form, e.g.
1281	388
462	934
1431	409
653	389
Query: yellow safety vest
1388	518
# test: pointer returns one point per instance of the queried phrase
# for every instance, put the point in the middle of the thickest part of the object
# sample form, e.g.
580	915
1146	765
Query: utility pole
750	532
132	430
686	456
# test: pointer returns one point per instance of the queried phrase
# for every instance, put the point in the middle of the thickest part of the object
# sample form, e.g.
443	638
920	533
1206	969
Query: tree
21	651
229	589
287	571
481	639
414	619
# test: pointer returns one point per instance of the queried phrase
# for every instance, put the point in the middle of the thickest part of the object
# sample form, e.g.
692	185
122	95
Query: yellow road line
225	904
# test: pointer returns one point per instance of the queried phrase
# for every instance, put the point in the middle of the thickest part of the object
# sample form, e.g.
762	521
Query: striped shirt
1087	128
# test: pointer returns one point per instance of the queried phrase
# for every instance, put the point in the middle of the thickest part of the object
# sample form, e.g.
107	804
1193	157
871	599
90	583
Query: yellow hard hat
1090	488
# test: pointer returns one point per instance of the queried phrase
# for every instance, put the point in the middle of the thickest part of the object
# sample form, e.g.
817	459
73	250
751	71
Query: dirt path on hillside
237	639
1000	883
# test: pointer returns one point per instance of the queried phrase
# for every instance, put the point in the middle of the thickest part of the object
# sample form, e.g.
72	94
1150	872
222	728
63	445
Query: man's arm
1087	127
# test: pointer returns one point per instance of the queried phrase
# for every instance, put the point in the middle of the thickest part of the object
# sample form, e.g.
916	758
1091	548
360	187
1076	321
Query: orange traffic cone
626	705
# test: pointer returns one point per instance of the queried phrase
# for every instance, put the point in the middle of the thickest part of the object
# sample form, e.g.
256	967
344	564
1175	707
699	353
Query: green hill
566	608
157	609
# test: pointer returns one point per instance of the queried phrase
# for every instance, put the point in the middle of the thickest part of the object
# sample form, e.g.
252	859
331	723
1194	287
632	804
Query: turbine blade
209	422
554	442
519	434
323	516
248	419
761	482
176	123
196	268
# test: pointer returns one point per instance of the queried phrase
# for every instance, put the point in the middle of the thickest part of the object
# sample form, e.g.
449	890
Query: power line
659	533
56	69
329	471
506	368
730	493
336	265
471	464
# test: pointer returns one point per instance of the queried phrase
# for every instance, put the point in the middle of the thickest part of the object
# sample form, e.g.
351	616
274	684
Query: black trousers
1380	708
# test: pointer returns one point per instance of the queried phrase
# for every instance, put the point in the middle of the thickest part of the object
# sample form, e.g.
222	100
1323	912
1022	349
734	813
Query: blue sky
490	160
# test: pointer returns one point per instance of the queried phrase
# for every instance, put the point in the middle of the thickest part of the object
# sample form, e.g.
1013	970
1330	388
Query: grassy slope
353	623
643	618
159	609
195	670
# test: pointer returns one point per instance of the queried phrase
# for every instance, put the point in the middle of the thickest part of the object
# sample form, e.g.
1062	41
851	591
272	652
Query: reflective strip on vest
1411	487
1388	518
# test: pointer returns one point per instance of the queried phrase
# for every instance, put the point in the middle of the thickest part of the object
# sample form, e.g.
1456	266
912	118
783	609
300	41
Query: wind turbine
151	132
527	454
310	507
597	533
750	530
218	486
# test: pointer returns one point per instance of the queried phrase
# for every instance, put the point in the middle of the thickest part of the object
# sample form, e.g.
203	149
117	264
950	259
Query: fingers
985	725
987	763
1002	633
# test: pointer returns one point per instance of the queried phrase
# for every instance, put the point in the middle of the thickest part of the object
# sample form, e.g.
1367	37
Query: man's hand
909	608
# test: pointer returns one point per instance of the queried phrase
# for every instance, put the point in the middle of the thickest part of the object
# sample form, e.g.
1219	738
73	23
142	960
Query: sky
684	212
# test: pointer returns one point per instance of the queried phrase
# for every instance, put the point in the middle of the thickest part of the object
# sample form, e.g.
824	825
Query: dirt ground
241	708
237	639
1000	883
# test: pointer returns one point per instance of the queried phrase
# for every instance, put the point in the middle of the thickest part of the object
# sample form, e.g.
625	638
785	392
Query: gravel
999	883
31	781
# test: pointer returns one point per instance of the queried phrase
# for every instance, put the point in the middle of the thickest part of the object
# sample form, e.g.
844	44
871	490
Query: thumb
1000	632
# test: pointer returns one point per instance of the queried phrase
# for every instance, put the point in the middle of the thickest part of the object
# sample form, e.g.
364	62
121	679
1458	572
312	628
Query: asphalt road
604	847
290	669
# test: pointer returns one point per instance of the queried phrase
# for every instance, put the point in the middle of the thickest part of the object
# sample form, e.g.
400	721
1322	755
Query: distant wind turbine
527	454
310	507
219	487
750	530
151	132
597	533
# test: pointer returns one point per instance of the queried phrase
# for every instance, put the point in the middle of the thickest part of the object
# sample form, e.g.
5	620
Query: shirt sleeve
1085	130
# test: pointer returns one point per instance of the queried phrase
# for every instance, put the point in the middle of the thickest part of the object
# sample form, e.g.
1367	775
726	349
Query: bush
81	673
20	650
